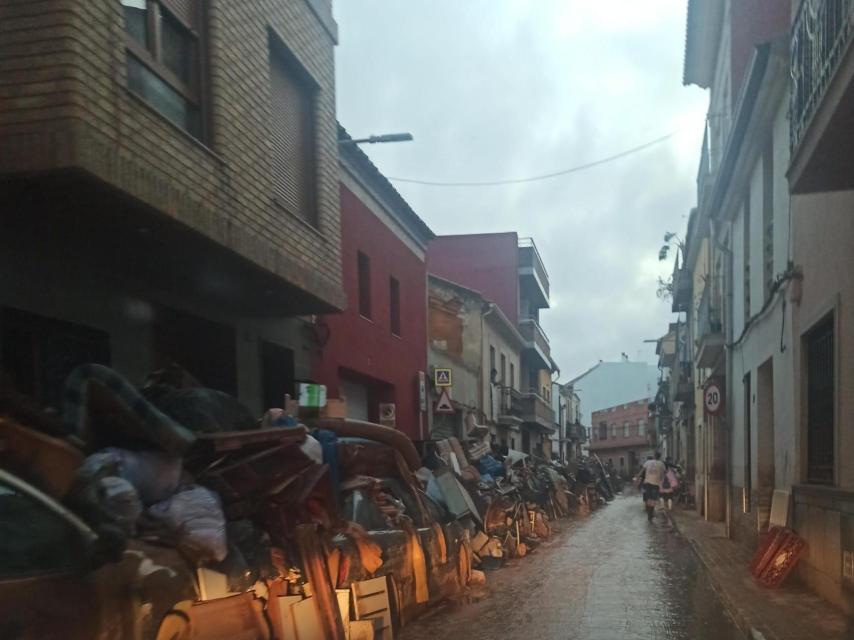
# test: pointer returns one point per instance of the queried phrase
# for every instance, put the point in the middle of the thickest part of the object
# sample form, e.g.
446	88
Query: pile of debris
508	502
264	518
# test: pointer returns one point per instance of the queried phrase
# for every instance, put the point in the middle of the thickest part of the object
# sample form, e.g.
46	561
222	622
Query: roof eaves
368	172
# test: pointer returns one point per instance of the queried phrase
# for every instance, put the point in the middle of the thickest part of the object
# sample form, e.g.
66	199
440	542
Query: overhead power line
555	174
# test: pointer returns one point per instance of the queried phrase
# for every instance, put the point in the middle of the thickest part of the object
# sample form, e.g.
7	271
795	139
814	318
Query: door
277	374
356	395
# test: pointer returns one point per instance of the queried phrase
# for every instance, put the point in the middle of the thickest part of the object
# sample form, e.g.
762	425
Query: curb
735	612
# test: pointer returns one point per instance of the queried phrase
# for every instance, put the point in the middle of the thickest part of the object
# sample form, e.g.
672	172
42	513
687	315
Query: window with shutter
821	403
292	135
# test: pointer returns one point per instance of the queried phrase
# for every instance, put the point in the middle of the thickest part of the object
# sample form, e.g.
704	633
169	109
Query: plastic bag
194	516
117	497
153	474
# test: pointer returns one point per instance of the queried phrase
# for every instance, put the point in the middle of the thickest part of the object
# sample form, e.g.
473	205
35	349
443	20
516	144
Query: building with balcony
623	437
167	208
822	338
509	271
822	96
769	248
471	336
374	354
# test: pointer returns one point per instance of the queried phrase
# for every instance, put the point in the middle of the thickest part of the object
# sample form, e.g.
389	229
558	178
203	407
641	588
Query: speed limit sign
713	399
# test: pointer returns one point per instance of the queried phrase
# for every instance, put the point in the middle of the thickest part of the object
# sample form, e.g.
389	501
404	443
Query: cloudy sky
502	89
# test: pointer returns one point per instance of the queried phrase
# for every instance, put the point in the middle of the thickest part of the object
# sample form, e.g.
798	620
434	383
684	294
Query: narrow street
608	577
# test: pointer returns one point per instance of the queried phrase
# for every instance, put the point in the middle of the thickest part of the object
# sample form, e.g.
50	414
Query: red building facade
372	353
623	436
485	262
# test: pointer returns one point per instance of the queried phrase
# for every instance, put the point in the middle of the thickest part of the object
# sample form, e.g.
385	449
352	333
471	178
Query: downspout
728	387
490	307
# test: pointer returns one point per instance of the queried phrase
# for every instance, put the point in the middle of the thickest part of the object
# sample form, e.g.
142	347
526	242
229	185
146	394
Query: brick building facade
623	436
165	206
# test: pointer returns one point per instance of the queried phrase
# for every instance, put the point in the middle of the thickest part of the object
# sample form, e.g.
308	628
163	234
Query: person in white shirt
651	476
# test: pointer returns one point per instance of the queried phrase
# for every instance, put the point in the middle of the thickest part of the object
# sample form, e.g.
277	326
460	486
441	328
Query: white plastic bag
195	518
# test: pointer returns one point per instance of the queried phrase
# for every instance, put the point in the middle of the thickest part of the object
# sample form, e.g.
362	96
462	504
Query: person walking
669	484
651	477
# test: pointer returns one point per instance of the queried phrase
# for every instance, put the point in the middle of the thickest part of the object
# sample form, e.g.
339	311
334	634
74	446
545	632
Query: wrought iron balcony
709	330
822	96
682	288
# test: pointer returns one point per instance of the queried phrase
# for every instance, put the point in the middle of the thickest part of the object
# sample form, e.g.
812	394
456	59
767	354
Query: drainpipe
490	307
728	338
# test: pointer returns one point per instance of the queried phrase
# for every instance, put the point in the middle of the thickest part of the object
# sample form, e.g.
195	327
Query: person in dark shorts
651	476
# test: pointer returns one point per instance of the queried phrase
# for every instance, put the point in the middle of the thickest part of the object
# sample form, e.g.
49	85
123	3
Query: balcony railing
821	33
682	288
709	330
536	409
531	263
705	174
511	402
576	432
534	335
708	316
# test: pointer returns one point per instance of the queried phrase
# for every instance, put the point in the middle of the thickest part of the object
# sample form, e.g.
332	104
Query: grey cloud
492	89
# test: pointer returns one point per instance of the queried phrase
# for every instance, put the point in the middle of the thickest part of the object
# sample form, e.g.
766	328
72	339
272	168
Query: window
164	51
603	431
768	219
503	370
493	372
33	539
626	429
292	93
820	403
38	352
613	430
641	428
512	376
394	305
364	274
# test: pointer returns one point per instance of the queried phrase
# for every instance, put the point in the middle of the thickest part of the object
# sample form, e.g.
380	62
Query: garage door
356	395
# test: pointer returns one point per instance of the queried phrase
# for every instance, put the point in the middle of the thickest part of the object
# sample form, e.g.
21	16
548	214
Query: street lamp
386	137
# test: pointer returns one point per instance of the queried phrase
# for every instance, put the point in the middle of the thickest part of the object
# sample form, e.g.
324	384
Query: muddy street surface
612	575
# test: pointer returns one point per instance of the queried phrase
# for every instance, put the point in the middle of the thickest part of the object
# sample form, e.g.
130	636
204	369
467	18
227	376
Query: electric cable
555	174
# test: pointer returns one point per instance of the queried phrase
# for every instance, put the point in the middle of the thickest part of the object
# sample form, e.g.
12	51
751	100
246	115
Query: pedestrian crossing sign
444	404
442	377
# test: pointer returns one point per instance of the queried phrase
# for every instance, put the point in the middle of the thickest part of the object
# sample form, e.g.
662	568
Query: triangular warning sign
444	404
443	377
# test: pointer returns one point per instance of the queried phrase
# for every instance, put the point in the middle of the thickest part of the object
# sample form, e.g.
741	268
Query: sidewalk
788	613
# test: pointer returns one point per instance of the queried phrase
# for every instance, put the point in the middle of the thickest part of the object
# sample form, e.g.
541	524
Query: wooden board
283	618
307	620
370	601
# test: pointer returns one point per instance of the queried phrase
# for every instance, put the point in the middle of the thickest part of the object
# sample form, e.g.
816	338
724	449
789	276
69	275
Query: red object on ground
780	558
768	546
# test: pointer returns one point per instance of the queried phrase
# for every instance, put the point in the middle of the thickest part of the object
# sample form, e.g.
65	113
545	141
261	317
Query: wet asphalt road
610	576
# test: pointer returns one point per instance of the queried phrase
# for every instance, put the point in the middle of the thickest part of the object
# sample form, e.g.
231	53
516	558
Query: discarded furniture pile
507	503
281	530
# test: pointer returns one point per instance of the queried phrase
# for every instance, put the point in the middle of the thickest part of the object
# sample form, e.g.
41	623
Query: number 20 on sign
713	399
